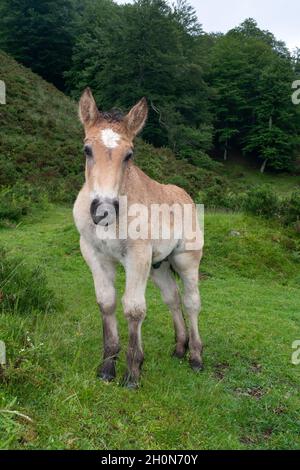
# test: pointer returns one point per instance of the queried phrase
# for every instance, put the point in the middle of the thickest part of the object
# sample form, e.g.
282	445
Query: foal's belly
162	249
118	249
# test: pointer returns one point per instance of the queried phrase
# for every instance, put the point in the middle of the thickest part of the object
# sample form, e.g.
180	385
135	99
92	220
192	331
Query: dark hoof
107	372
196	365
131	385
180	350
106	377
179	353
130	382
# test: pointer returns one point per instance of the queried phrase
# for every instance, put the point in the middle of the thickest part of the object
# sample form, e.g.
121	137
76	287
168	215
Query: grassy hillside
41	140
242	175
40	135
246	398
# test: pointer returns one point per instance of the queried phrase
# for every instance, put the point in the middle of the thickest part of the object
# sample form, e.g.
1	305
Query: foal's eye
129	155
88	151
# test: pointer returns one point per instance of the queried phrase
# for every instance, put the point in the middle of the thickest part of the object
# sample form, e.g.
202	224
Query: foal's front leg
137	269
103	270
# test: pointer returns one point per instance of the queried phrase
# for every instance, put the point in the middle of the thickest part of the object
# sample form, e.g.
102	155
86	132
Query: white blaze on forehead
110	138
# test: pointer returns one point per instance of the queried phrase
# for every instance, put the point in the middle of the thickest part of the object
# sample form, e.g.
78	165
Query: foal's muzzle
104	211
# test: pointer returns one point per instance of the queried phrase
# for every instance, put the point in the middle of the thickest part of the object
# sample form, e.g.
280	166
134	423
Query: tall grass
23	289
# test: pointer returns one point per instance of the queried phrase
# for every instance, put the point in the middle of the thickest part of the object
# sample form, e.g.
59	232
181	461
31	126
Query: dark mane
114	115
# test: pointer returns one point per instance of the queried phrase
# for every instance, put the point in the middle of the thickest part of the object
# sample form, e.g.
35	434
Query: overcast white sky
281	17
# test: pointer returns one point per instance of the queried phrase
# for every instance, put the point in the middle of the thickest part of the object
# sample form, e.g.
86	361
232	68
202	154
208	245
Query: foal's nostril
95	203
104	212
93	209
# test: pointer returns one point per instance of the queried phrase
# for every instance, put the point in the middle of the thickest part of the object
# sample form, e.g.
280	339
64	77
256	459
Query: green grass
244	175
246	398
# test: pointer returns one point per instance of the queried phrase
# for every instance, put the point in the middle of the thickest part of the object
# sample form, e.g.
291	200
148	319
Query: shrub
16	201
214	195
262	200
12	206
200	159
8	171
259	200
290	208
23	289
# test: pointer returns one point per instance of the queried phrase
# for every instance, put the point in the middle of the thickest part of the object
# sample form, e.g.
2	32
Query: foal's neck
137	186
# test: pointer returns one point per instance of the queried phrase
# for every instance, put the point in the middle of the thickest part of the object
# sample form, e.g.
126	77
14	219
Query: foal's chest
114	248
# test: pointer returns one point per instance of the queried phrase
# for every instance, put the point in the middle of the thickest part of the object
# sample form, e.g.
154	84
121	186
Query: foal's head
108	147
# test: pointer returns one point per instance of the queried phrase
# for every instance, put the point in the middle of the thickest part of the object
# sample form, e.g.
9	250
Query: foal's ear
136	118
88	111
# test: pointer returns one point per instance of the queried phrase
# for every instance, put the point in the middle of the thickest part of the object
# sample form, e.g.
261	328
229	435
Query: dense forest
210	95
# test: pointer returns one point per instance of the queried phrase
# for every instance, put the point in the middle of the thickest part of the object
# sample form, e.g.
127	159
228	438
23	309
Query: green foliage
39	34
215	196
252	74
16	201
259	200
231	92
263	201
23	289
41	138
146	49
291	208
274	134
12	206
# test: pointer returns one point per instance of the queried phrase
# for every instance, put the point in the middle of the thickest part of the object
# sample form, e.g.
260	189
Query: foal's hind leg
103	270
187	266
164	279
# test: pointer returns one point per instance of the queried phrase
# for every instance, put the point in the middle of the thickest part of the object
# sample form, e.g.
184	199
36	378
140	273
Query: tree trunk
226	150
263	167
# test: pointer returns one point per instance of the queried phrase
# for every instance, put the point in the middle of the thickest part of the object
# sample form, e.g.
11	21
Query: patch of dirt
255	440
220	370
252	392
267	433
28	436
279	410
248	440
255	367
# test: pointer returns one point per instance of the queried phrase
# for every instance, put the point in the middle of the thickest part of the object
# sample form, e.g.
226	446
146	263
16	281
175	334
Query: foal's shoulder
178	194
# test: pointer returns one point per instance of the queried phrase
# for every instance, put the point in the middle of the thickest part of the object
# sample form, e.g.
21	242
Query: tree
249	29
274	134
39	34
186	16
252	75
147	49
296	61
